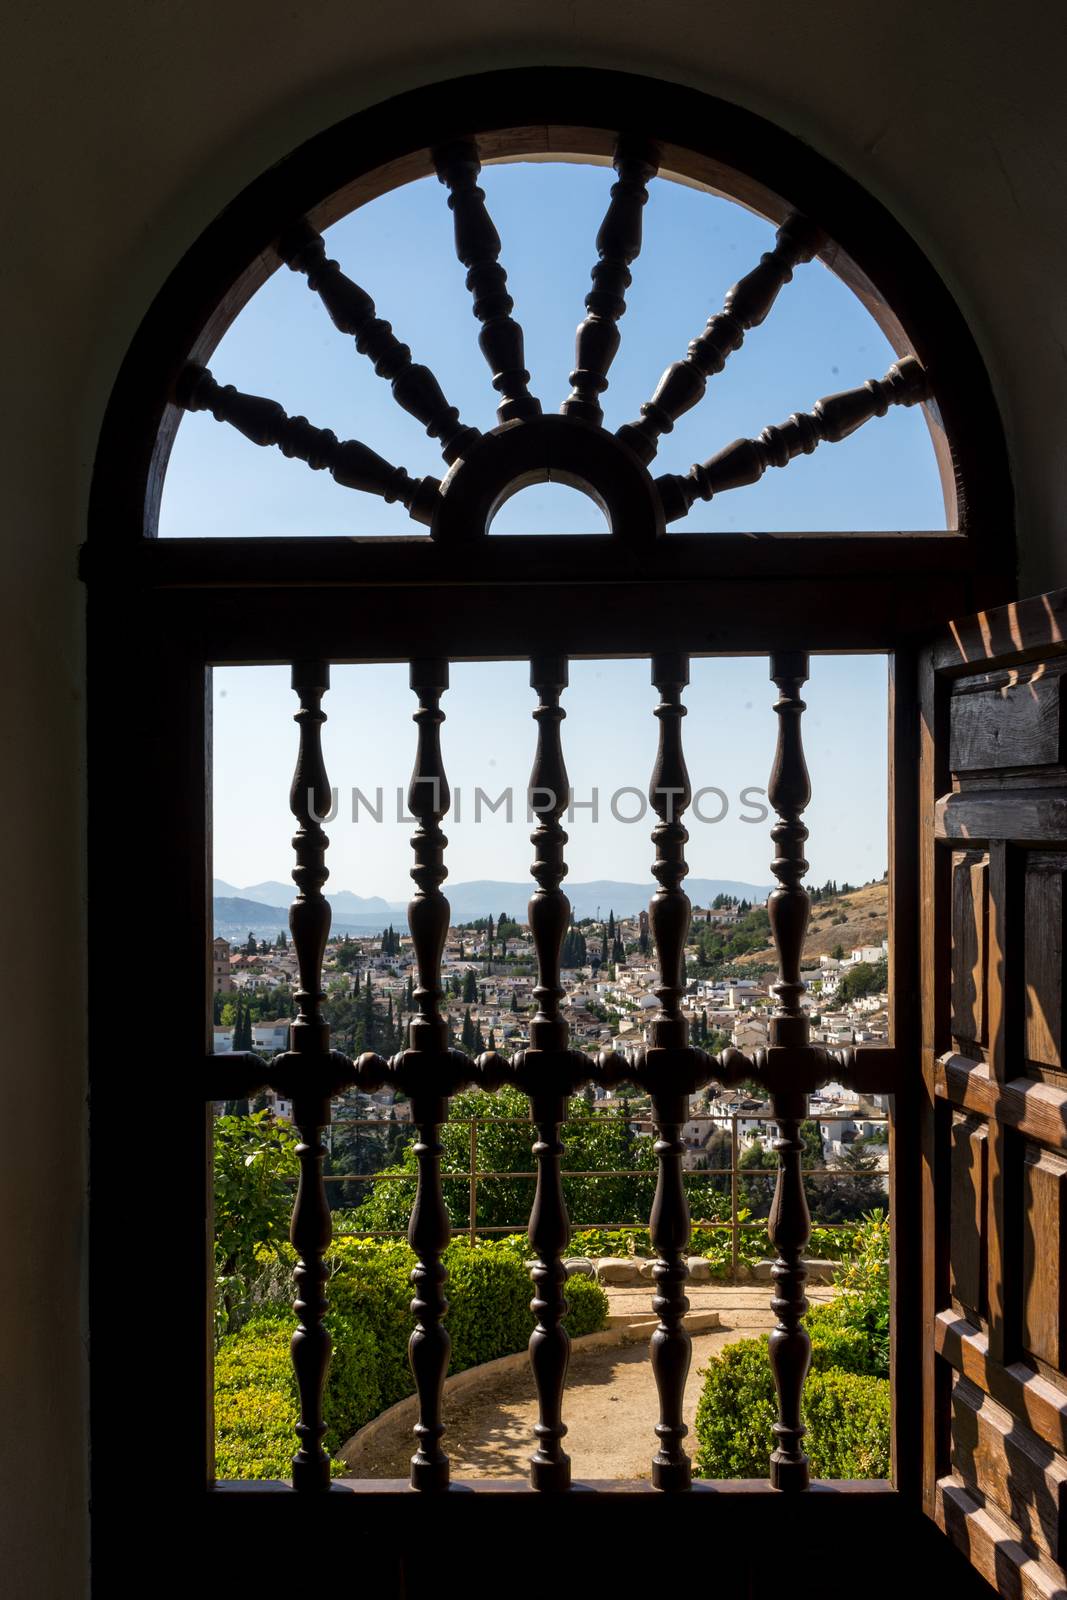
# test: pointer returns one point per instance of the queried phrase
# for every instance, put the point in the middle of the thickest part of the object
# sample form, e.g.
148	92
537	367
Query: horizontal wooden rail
1031	1399
1027	815
870	1069
245	623
417	558
1036	1109
728	1489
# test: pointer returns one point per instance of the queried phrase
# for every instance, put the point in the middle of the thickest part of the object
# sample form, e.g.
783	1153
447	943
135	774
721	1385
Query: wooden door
993	820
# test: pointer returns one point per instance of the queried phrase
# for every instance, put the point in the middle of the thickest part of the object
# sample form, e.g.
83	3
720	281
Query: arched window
420	584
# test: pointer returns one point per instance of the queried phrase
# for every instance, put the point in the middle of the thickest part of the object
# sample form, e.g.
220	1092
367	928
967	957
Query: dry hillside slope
865	914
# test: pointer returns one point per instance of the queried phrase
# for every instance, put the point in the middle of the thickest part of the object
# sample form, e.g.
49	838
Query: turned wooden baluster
429	1231
746	305
789	1223
478	248
348	462
549	917
618	244
669	915
829	421
352	311
309	922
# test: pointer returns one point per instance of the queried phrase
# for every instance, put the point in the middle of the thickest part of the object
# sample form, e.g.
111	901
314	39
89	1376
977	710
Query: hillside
866	920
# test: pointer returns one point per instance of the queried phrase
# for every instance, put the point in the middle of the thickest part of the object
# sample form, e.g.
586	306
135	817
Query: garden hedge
846	1397
369	1319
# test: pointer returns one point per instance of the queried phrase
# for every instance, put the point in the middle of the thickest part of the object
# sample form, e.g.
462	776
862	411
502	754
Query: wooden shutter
993	820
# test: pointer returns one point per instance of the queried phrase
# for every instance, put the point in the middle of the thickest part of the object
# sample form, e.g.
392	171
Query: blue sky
818	339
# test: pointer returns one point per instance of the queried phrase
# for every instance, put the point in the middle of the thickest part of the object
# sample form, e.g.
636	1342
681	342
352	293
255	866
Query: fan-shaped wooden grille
529	445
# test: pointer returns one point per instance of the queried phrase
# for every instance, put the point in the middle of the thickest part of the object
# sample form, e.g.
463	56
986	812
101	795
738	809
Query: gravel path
610	1404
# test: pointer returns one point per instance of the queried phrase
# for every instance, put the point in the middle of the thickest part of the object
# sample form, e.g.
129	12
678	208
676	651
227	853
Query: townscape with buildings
489	976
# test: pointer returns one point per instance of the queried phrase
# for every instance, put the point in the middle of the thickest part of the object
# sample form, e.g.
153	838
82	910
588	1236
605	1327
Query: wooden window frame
163	612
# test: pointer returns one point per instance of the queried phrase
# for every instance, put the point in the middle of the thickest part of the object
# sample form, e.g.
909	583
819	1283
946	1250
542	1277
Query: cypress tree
370	1029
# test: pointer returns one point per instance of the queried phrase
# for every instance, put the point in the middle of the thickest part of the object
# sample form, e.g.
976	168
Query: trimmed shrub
846	1412
846	1397
256	1398
369	1288
369	1319
735	1412
587	1307
254	1405
489	1303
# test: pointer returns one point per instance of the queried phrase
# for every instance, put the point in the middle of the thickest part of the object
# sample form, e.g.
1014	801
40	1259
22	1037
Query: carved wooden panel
1044	1189
995	1216
1006	719
970	1182
970	925
1012	1468
1043	959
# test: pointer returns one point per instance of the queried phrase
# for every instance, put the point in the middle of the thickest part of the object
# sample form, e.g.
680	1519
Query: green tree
864	978
594	1141
250	944
254	1156
855	1187
348	955
760	1165
470	988
242	1026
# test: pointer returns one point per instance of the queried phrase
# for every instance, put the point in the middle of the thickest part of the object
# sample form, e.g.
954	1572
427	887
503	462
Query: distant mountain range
261	907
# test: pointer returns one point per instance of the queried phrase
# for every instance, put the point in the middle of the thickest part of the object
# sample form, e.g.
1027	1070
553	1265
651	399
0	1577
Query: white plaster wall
126	127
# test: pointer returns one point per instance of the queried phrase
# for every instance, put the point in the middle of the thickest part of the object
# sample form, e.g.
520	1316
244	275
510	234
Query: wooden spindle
618	245
829	421
349	463
669	917
478	248
547	1073
352	311
669	794
789	1223
746	305
309	922
549	909
429	1232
